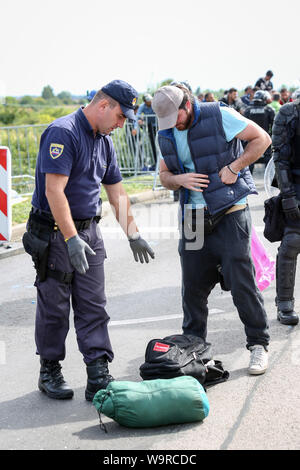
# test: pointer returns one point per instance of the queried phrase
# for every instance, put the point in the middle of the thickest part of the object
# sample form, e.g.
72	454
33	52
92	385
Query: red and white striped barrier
5	194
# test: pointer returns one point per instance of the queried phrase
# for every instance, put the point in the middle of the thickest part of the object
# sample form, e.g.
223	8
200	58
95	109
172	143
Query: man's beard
187	123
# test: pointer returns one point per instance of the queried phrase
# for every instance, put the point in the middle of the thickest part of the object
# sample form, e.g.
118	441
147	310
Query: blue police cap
124	94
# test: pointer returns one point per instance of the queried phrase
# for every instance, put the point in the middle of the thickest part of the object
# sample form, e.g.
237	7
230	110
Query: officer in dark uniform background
286	154
76	156
260	112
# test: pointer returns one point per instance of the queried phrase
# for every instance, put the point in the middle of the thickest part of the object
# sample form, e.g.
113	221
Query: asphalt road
246	412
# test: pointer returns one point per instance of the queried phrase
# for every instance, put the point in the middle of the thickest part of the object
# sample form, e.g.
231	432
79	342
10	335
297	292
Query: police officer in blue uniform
76	156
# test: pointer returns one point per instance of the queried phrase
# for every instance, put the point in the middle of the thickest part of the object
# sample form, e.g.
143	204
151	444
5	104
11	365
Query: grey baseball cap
165	104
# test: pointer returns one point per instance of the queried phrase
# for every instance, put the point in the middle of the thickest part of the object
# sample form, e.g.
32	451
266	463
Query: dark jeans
88	301
228	247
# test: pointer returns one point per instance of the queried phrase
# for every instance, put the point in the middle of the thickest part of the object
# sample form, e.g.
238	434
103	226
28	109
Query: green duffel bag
153	402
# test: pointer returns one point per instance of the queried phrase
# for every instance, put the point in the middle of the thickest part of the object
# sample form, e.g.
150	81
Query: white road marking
133	321
2	353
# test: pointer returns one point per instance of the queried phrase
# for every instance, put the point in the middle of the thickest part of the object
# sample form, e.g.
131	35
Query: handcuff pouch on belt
36	242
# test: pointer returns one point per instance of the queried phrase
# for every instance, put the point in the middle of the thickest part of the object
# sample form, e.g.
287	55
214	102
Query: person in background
184	83
275	101
209	97
90	95
145	109
247	97
265	83
233	101
131	135
285	96
263	115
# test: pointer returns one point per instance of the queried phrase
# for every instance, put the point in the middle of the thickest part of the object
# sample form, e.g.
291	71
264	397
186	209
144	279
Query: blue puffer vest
210	153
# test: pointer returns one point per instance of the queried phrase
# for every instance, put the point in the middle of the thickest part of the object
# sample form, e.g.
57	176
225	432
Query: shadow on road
116	431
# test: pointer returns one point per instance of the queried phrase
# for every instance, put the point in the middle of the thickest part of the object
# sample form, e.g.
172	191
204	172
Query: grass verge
21	210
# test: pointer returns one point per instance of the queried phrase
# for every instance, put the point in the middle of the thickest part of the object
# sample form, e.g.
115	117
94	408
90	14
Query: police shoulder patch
56	150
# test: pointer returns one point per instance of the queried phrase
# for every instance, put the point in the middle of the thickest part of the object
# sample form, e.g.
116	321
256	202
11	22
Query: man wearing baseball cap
124	94
202	156
76	157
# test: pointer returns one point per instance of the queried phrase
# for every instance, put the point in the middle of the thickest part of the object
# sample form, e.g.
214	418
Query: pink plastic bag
264	265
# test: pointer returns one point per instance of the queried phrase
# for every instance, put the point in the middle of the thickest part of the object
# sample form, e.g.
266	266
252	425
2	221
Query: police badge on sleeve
56	150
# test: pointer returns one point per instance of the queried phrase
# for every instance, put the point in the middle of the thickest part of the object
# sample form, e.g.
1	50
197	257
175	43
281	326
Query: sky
78	46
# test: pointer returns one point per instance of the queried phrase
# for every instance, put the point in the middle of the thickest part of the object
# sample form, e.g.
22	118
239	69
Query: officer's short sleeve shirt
69	147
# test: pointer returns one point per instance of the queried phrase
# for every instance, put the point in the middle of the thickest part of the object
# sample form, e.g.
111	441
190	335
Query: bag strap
223	374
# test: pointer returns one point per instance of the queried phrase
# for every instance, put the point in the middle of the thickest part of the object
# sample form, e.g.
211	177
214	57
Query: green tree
7	115
65	97
27	100
10	100
47	92
40	101
54	101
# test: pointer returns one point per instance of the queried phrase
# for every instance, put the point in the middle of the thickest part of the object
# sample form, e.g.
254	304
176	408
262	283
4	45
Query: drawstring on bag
102	425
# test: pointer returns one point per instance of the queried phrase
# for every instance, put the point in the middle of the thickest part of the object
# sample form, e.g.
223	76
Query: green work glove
76	249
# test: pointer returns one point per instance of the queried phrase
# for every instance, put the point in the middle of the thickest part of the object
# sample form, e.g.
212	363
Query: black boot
98	377
285	312
285	282
51	380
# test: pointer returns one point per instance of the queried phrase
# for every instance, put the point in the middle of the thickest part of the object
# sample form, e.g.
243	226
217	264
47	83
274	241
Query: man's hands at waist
191	181
229	174
198	181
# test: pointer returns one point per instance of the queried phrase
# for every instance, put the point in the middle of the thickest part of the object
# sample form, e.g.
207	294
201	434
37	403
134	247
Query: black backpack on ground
178	355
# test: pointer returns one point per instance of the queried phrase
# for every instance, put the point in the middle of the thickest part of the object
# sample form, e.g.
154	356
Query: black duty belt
84	224
80	224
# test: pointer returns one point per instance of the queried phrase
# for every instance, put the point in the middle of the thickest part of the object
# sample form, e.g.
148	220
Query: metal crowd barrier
135	154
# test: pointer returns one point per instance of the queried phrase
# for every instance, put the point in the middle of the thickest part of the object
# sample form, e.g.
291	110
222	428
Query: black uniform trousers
86	292
227	246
